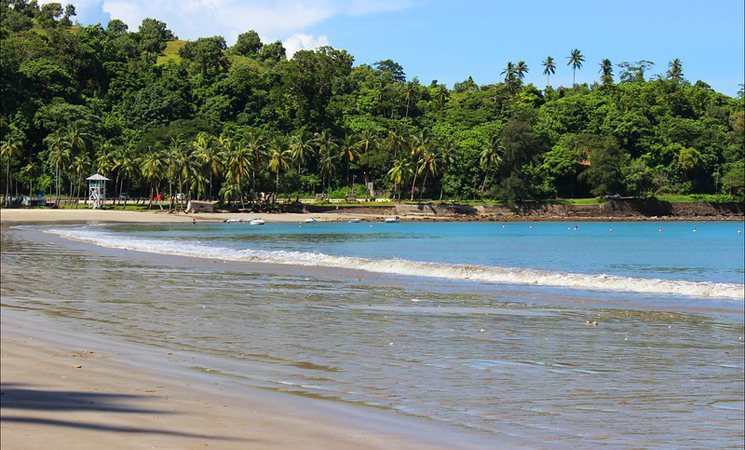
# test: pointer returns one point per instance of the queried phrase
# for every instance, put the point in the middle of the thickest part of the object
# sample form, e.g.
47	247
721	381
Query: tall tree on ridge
575	60
549	68
676	70
606	71
520	70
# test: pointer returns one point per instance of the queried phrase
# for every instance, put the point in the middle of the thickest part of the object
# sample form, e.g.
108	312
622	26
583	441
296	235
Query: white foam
488	274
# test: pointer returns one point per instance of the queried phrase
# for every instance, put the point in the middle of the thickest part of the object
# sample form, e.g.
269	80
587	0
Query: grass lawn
171	52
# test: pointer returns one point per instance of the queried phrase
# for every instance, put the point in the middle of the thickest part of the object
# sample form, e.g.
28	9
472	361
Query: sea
594	334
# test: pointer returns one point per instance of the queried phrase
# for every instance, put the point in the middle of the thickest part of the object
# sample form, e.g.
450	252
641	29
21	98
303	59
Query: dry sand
56	397
8	216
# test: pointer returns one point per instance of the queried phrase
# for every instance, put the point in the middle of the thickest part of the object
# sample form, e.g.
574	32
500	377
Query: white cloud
272	19
300	41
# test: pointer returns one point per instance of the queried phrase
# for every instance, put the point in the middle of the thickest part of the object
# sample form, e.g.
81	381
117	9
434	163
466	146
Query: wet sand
75	395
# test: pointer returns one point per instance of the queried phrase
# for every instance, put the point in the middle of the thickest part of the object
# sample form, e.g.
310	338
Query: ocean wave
499	275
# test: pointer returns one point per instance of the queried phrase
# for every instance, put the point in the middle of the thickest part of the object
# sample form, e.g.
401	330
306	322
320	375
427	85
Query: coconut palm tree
399	173
327	167
59	155
395	143
348	154
125	163
549	68
239	158
575	60
510	78
300	150
676	70
430	165
606	71
152	165
448	158
30	170
278	159
256	147
419	146
173	155
491	155
520	70
10	149
208	154
78	169
409	92
367	141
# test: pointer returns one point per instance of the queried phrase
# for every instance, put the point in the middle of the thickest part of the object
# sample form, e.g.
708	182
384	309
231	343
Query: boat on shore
256	221
392	220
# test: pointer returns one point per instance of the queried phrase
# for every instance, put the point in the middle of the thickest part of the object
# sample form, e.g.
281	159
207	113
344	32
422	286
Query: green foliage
157	113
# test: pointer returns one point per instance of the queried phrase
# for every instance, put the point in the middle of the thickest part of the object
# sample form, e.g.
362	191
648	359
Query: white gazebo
96	190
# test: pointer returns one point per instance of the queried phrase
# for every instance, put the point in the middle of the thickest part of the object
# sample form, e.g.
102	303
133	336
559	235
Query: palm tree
520	70
239	161
208	153
9	150
491	155
430	166
257	149
278	160
151	166
510	78
126	165
59	154
448	158
367	140
175	148
408	95
348	153
606	71
327	167
676	70
419	146
78	169
300	150
549	68
399	173
395	142
30	170
575	60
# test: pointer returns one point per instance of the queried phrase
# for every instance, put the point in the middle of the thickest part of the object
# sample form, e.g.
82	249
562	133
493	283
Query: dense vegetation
160	115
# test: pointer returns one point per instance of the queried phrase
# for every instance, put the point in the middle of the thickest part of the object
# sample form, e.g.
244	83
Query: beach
167	335
70	397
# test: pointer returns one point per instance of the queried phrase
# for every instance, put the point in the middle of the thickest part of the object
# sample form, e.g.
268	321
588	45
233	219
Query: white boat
232	220
310	220
257	221
354	220
392	220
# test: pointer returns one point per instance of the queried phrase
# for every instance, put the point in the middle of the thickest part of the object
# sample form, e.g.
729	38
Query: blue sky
450	40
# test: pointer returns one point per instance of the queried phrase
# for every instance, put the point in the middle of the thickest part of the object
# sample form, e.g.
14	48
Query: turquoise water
469	325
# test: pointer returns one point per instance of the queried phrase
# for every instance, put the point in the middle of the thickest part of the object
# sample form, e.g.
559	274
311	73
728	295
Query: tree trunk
276	189
483	186
7	181
413	183
424	183
56	202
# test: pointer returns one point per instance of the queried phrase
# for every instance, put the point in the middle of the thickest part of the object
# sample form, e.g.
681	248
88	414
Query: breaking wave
500	275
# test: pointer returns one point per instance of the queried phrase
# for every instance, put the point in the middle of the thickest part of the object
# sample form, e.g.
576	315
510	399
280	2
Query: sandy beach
67	396
91	215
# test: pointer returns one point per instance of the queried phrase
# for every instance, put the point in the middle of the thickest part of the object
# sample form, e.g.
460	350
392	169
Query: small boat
232	220
354	220
392	220
310	220
256	221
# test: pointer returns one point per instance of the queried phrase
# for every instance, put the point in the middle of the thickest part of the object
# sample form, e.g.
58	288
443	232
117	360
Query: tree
59	155
10	149
300	151
152	166
399	173
153	35
606	72
520	70
420	145
209	155
510	78
207	54
634	72
575	60
448	158
604	172
367	141
274	51
240	160
348	154
248	44
278	160
675	72
549	68
490	156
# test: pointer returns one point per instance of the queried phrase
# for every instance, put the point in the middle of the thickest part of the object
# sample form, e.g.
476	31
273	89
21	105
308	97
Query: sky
450	40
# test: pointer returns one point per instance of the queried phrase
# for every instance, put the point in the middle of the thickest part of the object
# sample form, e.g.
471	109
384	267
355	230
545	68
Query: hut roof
97	177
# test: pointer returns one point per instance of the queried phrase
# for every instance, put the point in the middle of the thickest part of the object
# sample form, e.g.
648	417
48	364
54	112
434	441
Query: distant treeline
160	115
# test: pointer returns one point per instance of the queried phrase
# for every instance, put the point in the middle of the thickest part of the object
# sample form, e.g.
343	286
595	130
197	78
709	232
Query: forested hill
150	111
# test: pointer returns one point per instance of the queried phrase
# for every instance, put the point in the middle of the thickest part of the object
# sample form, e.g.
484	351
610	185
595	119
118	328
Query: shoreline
102	393
18	216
